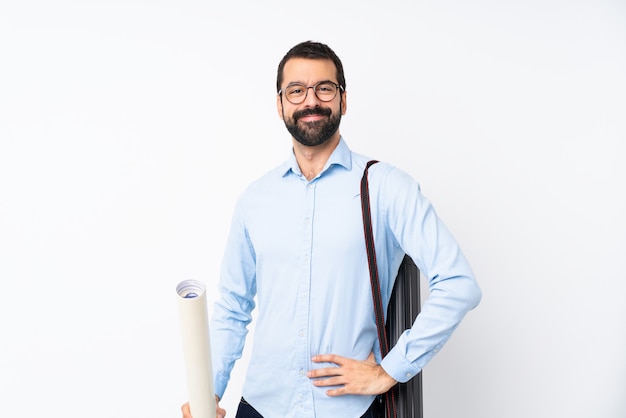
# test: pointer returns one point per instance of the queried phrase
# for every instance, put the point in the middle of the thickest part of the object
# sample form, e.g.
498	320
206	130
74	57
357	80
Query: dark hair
311	50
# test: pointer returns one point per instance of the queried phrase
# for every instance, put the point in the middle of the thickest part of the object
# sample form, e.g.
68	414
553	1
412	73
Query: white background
128	129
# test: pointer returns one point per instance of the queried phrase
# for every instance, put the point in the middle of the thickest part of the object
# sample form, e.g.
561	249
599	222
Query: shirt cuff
219	386
398	367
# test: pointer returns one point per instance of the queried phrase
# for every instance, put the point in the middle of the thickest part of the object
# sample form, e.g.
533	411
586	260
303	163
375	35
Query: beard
313	133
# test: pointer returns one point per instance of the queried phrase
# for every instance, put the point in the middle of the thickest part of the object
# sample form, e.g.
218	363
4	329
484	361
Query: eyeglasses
325	91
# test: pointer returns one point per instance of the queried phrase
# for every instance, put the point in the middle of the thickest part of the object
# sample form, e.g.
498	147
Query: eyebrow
299	83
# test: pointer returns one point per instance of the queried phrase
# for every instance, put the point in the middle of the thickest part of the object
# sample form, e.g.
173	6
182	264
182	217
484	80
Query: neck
312	160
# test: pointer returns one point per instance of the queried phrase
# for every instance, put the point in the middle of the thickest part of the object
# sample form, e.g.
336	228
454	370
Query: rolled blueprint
196	347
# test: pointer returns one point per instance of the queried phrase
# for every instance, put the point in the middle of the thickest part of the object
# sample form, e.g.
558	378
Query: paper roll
196	347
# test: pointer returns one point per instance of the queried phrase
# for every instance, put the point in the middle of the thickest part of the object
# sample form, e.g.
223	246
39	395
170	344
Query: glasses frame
314	87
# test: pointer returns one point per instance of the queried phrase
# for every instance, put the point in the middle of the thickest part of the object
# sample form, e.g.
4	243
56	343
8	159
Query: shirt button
306	258
408	375
301	372
307	221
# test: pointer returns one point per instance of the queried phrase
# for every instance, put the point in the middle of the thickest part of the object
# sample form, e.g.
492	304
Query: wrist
386	380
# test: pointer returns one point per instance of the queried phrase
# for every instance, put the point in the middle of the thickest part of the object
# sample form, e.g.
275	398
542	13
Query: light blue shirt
297	249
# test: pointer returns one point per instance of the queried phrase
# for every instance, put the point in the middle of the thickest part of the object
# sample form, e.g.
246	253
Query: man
297	245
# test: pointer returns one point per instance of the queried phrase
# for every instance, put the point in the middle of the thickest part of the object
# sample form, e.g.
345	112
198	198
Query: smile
312	118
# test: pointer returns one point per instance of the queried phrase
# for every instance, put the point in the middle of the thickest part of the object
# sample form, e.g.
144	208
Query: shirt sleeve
233	311
412	221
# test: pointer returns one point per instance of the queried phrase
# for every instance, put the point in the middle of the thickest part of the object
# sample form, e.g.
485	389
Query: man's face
312	122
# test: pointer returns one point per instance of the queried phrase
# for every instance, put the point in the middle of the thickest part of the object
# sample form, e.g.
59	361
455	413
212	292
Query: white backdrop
128	128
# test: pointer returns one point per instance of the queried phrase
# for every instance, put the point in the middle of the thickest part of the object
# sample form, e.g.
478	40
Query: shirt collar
341	156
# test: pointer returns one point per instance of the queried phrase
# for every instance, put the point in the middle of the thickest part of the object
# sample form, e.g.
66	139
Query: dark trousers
246	410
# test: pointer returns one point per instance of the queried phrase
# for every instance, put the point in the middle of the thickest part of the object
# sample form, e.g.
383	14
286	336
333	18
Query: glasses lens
325	91
296	93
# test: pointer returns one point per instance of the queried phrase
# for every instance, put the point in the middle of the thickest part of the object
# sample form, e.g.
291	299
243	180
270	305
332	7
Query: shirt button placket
304	391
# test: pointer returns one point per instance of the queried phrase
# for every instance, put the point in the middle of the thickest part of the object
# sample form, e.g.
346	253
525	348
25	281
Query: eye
326	88
295	90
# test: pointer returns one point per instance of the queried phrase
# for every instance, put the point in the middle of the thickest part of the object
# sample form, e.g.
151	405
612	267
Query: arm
408	220
411	219
233	311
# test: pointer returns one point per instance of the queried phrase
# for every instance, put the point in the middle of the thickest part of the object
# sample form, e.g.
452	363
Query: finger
324	372
337	392
220	412
185	410
328	358
330	381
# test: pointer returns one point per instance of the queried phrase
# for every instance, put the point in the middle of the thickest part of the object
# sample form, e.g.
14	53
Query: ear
279	106
344	102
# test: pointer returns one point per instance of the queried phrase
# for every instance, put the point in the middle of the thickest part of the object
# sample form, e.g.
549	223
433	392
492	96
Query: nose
311	98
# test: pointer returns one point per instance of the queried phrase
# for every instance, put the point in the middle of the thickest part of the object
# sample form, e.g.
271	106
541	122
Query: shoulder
389	177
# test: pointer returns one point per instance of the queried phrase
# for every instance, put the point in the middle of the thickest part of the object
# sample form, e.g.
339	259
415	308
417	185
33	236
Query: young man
297	245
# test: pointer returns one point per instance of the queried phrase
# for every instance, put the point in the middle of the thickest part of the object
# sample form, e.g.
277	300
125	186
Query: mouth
312	118
312	115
